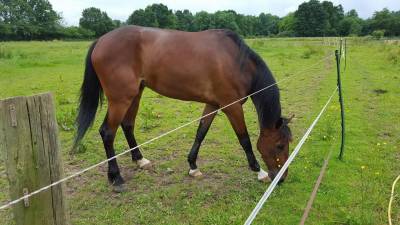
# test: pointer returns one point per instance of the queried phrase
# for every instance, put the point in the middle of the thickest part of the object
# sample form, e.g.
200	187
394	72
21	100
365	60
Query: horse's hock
30	147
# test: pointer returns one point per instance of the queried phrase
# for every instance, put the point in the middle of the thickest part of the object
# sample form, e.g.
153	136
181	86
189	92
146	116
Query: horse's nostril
272	175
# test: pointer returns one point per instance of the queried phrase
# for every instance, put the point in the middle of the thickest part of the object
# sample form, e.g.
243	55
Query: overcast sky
121	9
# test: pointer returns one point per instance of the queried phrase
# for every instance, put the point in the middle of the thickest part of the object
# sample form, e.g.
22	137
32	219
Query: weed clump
393	56
310	51
149	117
5	53
66	119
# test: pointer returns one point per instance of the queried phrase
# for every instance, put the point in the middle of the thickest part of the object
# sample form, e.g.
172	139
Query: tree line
36	20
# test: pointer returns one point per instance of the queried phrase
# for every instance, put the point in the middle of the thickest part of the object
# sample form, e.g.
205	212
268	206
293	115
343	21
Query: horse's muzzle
272	175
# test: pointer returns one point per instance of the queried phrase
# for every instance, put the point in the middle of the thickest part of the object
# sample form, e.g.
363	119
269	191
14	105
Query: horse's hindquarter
190	66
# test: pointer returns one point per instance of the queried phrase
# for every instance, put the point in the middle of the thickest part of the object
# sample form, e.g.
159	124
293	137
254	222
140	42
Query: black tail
91	95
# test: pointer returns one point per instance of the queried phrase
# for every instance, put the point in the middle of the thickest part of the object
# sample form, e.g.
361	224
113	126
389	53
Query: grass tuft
393	55
5	53
311	51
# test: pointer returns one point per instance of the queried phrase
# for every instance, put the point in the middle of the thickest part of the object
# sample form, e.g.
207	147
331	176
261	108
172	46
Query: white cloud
72	9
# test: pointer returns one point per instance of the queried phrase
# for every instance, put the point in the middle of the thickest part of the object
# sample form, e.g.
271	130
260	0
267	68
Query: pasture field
353	191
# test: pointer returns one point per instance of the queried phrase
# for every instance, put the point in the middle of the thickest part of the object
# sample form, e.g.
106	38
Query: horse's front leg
202	130
236	118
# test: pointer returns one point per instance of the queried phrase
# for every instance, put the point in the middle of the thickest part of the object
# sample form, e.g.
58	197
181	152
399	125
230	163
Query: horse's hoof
264	179
195	173
144	164
119	188
263	176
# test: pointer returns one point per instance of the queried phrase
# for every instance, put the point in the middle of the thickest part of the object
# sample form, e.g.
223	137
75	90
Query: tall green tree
139	17
95	20
203	21
35	19
334	15
226	20
184	20
396	24
117	23
155	15
386	20
351	24
286	25
247	24
5	26
310	19
28	19
267	24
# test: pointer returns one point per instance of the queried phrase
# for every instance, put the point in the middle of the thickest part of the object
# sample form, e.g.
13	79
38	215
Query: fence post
28	132
345	53
339	84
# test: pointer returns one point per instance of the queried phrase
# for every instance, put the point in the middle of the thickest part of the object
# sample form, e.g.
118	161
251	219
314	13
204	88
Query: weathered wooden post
29	142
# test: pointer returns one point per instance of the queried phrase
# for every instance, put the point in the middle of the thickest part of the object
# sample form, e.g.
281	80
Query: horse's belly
186	88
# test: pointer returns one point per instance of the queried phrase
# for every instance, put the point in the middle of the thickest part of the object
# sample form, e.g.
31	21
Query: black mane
266	102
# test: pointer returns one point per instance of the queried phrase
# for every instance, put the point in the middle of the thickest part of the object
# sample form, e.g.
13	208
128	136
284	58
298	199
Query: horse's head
273	144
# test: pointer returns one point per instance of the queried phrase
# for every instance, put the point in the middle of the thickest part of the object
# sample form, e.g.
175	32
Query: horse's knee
127	126
106	134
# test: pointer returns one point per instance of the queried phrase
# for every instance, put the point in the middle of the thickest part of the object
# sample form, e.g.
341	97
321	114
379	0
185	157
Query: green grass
353	191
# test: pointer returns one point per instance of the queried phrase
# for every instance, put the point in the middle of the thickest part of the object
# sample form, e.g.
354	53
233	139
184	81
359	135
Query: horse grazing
214	67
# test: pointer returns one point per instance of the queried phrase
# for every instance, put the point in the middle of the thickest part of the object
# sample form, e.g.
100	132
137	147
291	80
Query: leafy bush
77	33
378	34
286	33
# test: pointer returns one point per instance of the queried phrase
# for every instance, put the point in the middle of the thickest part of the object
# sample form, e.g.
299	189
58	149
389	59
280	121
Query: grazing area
353	191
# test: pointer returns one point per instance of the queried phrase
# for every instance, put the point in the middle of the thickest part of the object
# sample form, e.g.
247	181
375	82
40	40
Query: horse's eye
280	146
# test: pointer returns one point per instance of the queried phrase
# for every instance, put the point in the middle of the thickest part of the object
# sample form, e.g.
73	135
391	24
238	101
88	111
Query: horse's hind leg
202	130
115	115
128	126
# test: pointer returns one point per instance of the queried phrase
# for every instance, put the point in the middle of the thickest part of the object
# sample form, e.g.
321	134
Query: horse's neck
266	101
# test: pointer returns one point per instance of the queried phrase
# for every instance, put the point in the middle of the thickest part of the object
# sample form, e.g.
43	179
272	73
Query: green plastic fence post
345	53
339	83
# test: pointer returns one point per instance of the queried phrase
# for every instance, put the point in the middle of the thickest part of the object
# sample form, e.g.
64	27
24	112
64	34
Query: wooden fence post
29	142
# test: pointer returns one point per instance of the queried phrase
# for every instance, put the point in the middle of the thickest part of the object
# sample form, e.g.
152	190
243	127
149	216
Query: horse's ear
279	123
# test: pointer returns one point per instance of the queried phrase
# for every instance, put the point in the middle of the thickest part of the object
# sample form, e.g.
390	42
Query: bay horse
214	67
